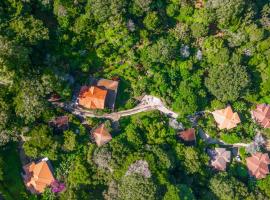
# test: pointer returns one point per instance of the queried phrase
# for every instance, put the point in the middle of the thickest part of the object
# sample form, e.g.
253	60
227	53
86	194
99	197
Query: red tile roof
92	97
258	165
187	135
226	118
220	159
262	115
101	135
38	176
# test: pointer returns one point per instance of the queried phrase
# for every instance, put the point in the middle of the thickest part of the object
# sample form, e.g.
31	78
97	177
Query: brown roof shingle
226	118
257	165
262	115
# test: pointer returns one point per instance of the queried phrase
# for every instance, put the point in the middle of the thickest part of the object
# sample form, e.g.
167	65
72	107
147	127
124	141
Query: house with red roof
92	97
100	94
226	118
187	136
101	135
258	165
37	176
262	115
219	158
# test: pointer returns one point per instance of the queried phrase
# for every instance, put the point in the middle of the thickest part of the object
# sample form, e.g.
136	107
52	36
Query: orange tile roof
187	135
258	165
92	97
101	135
220	159
108	84
262	115
38	176
226	118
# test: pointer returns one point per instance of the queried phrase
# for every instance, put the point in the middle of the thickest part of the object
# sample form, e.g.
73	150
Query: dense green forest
194	55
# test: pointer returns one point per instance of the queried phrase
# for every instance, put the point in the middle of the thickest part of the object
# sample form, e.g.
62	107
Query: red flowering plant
57	186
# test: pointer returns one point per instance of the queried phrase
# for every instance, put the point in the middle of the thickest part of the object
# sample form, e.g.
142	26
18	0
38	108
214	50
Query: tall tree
227	82
137	188
225	187
30	100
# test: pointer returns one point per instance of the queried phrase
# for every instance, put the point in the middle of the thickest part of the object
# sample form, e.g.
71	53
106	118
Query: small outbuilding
101	135
187	136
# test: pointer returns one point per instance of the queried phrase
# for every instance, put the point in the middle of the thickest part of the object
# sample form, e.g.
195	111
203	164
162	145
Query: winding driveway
210	140
147	103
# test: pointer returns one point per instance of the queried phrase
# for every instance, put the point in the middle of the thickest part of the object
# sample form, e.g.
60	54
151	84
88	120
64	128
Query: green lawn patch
230	138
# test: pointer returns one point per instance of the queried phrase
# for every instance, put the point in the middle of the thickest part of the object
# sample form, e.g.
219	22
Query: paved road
210	140
147	103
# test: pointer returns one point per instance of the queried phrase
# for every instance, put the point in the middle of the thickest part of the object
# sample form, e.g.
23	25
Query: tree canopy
195	56
227	82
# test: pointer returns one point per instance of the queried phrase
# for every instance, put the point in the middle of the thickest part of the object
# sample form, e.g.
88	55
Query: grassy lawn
12	186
